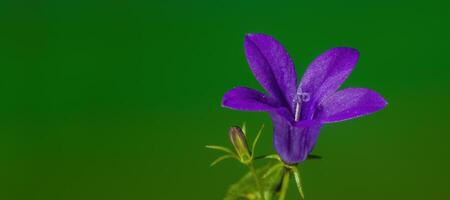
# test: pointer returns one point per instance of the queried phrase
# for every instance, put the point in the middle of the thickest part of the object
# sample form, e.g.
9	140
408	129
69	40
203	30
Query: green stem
284	185
258	184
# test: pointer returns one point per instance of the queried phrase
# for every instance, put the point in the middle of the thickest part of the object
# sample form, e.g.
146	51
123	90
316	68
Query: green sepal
313	157
256	140
221	158
298	182
273	156
220	148
244	128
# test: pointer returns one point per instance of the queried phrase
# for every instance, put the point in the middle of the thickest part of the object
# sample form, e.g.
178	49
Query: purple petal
242	98
272	67
350	103
246	99
293	144
307	123
325	75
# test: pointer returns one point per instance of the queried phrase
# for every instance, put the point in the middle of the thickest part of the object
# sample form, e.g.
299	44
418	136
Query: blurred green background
116	99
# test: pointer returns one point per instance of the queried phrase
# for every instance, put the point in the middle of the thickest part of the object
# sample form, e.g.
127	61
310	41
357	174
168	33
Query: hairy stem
257	182
284	185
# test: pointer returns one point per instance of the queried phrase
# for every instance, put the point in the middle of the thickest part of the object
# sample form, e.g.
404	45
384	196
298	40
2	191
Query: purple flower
299	111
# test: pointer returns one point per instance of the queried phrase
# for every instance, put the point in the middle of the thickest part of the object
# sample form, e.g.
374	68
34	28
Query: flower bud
239	142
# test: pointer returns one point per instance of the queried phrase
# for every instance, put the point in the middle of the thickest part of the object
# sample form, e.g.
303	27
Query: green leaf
246	188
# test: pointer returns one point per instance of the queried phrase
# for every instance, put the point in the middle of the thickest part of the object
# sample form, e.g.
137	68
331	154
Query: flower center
299	98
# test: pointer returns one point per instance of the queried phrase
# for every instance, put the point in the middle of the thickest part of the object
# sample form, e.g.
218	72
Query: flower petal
242	98
246	99
325	75
307	123
350	103
292	143
272	67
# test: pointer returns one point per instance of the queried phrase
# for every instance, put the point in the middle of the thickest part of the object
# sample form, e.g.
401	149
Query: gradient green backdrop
116	99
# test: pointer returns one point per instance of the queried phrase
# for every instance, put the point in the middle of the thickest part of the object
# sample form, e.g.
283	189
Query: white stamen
299	98
298	108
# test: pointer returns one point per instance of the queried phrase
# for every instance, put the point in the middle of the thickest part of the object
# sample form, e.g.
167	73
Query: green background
116	99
